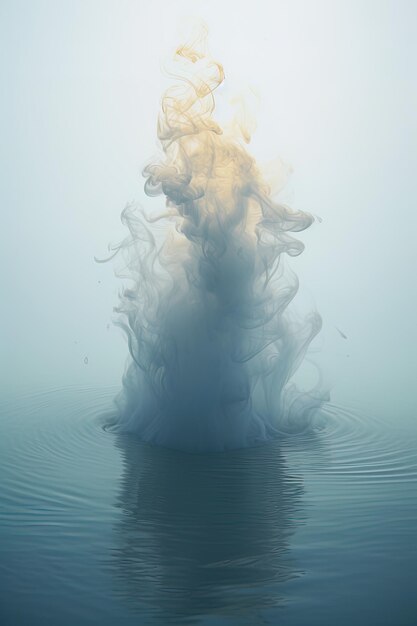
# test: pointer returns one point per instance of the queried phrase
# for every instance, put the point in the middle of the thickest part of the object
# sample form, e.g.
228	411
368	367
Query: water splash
213	346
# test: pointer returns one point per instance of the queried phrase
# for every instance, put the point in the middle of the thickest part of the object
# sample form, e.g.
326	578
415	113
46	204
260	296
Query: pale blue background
81	85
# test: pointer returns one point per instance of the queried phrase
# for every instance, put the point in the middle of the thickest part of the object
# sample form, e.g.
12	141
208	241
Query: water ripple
350	445
173	535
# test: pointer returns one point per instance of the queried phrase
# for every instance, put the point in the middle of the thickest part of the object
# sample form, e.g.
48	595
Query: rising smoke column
212	343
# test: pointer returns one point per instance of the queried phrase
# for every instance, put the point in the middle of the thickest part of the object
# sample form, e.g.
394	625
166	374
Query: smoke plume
212	342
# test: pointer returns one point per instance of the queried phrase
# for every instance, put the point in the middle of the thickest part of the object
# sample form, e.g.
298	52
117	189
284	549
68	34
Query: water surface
319	528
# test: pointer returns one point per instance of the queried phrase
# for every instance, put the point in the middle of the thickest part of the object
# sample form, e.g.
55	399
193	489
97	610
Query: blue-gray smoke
212	343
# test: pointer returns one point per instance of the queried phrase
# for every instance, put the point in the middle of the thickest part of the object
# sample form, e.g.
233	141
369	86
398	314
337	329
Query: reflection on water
204	534
99	529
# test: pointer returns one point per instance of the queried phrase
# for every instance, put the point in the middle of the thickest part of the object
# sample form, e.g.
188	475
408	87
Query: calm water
97	528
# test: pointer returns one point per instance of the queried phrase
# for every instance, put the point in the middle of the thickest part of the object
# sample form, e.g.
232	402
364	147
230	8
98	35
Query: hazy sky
82	82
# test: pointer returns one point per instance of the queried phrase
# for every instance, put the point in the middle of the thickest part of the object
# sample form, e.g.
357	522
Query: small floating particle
86	360
340	333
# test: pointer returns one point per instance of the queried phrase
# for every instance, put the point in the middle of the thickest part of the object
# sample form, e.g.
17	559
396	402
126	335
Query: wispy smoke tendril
212	343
